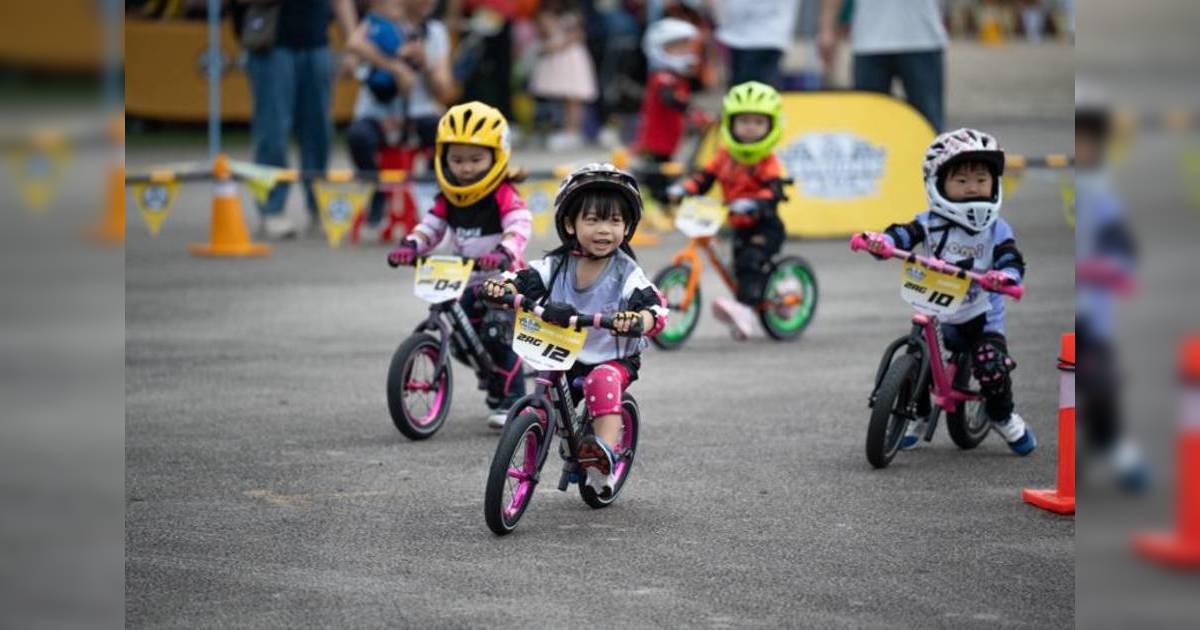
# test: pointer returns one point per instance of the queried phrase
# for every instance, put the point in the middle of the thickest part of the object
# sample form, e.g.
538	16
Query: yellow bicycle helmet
751	97
480	125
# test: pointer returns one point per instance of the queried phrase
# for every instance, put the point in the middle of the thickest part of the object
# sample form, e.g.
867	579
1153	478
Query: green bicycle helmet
751	97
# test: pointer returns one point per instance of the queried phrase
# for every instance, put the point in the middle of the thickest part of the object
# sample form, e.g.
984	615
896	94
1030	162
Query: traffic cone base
1169	549
111	228
229	234
1049	499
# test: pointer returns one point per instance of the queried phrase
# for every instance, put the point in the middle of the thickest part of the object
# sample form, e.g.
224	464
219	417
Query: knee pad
991	366
602	390
495	331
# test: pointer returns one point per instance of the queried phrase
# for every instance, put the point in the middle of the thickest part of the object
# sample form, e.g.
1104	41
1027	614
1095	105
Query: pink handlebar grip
858	242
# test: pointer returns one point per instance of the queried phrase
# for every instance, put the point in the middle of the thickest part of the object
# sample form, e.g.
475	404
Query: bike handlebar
592	320
860	241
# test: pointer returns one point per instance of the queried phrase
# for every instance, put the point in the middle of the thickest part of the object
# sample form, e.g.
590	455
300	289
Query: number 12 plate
546	347
442	278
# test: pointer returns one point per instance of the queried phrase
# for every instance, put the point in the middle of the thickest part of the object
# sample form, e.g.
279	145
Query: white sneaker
278	227
1017	434
736	315
497	418
564	141
912	435
609	137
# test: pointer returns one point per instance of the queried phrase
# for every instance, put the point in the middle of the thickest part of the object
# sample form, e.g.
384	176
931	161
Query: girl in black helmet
597	211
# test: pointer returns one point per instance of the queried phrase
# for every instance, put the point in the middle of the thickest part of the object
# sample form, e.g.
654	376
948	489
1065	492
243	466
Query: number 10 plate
546	347
930	291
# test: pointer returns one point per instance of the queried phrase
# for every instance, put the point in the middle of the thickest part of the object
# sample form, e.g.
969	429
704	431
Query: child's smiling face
968	181
598	235
468	163
749	128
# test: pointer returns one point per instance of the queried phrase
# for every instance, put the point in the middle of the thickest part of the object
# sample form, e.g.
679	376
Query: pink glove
994	280
879	246
495	259
404	253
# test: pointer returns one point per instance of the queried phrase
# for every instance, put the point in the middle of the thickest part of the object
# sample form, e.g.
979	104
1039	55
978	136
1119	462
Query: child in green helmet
752	181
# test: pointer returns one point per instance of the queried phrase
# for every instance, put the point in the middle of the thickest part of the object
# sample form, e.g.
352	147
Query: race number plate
441	278
699	217
546	347
930	291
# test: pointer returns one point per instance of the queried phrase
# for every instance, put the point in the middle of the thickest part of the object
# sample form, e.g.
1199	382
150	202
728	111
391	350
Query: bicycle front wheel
890	415
673	282
511	483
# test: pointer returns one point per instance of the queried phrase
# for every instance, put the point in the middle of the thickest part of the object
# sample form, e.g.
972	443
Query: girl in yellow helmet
485	218
751	181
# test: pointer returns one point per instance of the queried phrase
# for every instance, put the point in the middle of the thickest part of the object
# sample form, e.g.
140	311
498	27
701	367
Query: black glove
559	313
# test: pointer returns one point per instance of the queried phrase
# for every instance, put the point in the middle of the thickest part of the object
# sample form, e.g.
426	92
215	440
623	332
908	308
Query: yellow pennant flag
154	201
259	179
1066	187
1189	169
539	198
38	171
1014	179
339	203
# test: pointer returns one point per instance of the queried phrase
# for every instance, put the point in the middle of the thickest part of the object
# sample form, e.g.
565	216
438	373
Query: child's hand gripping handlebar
995	282
580	320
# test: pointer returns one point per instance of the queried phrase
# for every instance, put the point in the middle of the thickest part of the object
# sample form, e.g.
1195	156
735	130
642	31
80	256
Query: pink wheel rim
521	469
420	386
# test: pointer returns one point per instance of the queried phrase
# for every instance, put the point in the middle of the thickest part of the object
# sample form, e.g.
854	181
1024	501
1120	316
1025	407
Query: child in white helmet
962	171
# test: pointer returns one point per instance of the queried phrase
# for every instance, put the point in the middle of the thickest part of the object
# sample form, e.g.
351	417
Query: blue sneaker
912	435
1132	473
1017	434
598	459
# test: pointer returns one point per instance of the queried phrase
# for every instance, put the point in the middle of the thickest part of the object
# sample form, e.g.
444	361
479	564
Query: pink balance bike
918	384
420	380
529	430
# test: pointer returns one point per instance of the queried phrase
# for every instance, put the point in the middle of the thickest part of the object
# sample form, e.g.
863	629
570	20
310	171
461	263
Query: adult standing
891	39
756	34
291	73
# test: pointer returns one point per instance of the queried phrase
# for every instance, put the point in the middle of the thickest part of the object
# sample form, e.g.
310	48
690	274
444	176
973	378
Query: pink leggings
602	388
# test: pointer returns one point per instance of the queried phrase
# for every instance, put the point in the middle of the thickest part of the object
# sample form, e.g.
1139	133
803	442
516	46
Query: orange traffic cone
229	235
1062	498
111	228
1181	548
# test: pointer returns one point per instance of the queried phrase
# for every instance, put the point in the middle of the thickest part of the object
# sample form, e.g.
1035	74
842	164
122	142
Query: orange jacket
738	181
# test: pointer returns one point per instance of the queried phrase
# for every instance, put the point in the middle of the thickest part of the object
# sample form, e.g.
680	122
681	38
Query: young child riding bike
751	179
486	219
962	171
597	210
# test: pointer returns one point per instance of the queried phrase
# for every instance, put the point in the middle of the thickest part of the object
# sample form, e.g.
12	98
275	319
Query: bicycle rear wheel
418	399
967	425
626	448
510	483
890	415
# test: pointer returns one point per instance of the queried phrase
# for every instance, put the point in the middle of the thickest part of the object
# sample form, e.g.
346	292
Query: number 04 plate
442	278
546	347
930	291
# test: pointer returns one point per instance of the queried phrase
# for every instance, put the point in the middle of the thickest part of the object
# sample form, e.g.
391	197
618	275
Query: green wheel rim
803	311
679	322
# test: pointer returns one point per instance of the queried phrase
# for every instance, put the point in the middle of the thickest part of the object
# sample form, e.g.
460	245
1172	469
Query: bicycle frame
552	400
690	256
454	330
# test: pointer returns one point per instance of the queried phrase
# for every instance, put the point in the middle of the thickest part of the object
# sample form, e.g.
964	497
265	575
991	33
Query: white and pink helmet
954	147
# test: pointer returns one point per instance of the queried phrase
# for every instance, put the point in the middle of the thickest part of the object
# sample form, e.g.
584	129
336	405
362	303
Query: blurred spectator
563	71
483	61
757	34
620	66
670	50
423	76
1105	255
892	40
290	68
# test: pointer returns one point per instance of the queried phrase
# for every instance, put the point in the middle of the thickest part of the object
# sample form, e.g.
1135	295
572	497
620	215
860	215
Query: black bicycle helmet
596	175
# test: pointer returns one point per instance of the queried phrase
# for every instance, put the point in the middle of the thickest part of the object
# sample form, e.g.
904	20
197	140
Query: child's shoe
1132	473
736	315
499	410
912	435
598	459
1020	438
